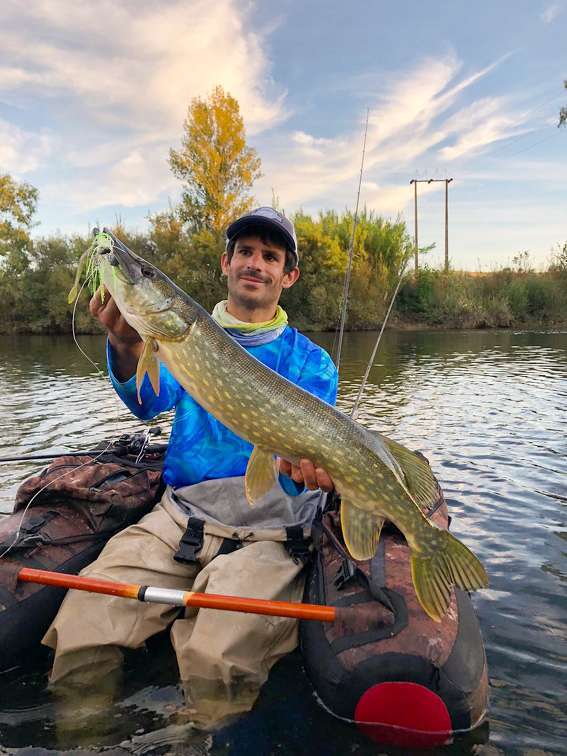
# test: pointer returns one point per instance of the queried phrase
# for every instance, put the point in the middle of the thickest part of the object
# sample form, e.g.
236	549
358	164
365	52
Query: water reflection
489	410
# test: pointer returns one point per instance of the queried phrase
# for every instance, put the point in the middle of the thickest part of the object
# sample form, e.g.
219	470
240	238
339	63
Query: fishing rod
149	594
376	345
346	283
124	445
86	453
346	288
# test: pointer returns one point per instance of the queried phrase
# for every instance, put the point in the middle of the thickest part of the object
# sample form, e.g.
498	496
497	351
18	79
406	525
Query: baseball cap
272	220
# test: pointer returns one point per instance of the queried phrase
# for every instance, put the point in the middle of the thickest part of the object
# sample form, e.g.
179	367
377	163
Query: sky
94	94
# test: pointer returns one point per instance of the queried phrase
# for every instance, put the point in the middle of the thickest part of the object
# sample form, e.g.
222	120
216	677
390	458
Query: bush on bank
501	299
33	295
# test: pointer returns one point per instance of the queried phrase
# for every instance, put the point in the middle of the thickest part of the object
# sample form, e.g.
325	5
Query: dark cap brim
240	225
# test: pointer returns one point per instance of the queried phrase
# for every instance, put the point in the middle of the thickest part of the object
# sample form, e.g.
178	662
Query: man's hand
307	474
105	310
124	340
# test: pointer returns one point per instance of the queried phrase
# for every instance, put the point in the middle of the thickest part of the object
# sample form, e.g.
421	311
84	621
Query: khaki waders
223	657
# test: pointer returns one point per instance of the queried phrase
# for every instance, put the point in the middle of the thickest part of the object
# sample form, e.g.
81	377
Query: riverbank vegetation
506	298
33	293
217	170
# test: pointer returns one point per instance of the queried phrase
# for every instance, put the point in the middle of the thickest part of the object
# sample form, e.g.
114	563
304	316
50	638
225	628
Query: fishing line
81	350
402	728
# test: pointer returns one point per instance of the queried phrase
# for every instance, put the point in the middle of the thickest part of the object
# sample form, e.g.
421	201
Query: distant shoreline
397	326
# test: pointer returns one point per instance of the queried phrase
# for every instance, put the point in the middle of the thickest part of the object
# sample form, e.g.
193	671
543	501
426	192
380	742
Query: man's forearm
124	358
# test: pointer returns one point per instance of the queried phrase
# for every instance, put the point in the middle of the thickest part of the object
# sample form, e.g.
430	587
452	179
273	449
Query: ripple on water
489	410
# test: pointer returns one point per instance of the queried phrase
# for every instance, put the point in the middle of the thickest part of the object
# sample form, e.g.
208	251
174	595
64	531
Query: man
203	535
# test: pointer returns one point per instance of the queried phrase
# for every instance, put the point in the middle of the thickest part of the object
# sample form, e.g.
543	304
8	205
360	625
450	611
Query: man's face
256	273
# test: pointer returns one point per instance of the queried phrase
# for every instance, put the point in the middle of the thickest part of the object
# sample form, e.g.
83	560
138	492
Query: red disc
403	714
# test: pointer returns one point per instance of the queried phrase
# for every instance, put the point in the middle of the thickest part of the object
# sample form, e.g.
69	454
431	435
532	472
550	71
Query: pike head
151	303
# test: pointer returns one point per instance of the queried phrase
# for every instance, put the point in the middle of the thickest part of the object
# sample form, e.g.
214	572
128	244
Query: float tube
76	504
384	664
404	679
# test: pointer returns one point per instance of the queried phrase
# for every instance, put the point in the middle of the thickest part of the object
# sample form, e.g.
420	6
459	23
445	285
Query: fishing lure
101	243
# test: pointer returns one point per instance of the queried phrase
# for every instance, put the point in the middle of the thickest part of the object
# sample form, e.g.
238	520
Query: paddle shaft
180	598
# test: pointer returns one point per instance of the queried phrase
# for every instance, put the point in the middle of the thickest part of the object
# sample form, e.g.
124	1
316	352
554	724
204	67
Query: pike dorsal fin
361	531
261	474
419	479
148	363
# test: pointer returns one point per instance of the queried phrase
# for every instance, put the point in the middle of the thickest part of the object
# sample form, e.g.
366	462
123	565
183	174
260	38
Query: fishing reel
134	443
138	445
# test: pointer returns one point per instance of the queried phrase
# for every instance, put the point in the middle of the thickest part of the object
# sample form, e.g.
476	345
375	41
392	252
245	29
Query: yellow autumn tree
214	163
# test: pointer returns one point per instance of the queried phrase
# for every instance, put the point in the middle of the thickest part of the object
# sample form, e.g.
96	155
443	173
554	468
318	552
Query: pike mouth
126	265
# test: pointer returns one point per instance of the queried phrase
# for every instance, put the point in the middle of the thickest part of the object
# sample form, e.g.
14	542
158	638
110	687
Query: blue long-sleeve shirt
200	447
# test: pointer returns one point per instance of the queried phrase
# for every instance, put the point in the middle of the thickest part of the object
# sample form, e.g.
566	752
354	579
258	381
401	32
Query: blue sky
93	94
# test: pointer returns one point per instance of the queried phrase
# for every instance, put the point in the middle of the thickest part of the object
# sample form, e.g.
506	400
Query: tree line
217	170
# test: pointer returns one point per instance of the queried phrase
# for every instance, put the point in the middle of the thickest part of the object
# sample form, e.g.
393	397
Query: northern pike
377	478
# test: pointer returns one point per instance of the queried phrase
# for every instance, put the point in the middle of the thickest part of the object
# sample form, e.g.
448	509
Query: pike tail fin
433	576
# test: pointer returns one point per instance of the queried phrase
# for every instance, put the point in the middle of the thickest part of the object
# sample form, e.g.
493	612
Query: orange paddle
180	598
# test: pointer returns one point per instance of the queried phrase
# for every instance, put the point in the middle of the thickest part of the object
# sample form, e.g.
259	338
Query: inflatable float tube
75	505
404	679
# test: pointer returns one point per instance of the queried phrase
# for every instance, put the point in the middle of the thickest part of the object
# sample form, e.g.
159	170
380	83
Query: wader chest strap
191	542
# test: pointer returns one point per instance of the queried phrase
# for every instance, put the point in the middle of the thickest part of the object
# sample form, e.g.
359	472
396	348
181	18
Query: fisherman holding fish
203	534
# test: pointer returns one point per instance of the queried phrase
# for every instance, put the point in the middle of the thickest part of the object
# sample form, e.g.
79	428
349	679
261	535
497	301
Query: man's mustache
253	274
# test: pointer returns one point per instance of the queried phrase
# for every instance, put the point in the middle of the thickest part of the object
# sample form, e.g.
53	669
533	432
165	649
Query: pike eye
148	272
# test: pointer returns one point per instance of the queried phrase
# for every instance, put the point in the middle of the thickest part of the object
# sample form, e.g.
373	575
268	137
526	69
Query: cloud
134	180
551	12
139	62
114	81
21	151
414	113
484	122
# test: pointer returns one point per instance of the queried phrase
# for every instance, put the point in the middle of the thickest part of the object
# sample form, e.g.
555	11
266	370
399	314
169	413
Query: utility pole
415	182
447	182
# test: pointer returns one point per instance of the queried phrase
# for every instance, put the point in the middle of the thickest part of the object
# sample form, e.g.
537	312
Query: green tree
216	166
18	202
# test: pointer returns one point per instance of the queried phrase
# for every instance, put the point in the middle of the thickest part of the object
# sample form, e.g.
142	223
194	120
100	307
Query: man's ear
290	278
224	263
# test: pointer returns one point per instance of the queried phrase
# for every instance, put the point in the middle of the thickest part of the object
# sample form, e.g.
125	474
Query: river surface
488	409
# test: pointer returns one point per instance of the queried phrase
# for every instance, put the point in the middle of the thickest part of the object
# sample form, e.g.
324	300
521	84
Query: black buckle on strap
191	542
345	573
297	545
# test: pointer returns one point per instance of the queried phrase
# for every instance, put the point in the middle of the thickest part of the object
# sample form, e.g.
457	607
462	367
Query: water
489	410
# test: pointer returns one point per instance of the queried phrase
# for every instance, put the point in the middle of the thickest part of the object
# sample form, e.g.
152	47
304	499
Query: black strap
229	545
33	540
297	545
374	588
191	542
375	585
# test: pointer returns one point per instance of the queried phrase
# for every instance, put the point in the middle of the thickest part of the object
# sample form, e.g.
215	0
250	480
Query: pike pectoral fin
148	363
261	474
419	478
361	531
433	576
